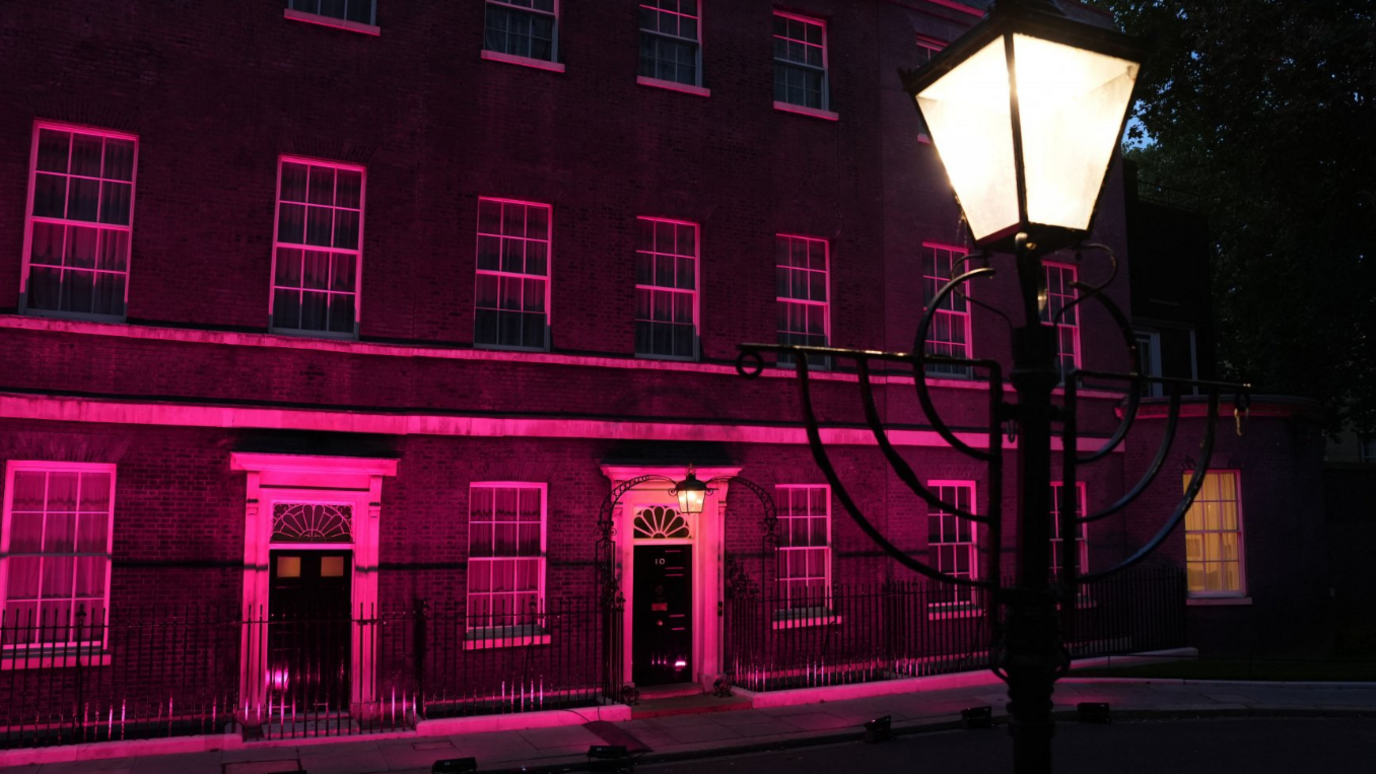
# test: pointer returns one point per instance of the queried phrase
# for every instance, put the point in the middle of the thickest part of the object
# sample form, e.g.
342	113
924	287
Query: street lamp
1026	111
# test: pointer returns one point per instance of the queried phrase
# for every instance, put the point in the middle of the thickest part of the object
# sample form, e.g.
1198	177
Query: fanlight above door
659	523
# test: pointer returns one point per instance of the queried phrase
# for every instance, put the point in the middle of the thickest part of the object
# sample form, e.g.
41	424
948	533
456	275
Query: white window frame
6	555
278	245
650	80
30	218
1149	348
652	287
824	110
1057	542
809	615
547	277
298	10
1366	447
964	599
927	47
792	301
1196	512
931	283
1069	273
530	61
493	636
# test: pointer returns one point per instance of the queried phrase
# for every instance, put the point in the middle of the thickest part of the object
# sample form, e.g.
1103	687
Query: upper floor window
927	47
951	546
800	61
317	255
512	305
1213	537
800	280
524	28
669	42
55	552
950	331
804	545
1149	350
1058	502
1366	448
506	555
359	12
1060	313
76	252
666	282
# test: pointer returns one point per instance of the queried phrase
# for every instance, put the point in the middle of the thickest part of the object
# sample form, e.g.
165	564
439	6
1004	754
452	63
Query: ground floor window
506	550
951	546
804	544
1213	537
55	552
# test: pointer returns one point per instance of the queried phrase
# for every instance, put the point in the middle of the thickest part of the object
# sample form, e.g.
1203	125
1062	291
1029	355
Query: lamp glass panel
967	115
1071	103
690	500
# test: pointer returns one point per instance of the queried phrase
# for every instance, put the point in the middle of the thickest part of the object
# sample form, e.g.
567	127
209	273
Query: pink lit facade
399	314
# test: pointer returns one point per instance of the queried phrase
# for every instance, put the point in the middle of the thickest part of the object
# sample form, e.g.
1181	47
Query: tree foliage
1265	112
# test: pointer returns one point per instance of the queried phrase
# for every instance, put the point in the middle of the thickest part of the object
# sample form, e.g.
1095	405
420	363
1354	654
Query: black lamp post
1026	111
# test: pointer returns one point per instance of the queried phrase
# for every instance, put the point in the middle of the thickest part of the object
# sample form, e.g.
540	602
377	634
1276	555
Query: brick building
370	304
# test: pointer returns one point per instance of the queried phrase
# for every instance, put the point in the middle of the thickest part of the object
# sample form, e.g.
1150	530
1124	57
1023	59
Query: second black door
662	633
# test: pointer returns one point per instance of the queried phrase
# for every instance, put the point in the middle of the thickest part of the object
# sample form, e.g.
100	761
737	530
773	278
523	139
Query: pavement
680	737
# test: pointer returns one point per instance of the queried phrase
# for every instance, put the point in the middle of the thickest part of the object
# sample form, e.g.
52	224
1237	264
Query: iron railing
69	678
852	634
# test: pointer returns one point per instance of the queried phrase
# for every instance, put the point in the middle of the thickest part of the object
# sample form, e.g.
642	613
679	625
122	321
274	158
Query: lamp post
1026	111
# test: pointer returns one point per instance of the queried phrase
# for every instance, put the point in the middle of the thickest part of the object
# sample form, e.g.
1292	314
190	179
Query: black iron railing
853	634
76	677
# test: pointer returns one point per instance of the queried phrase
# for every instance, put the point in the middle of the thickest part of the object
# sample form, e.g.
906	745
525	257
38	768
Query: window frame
802	616
1241	591
1074	328
965	601
542	64
696	291
1151	363
824	363
1366	447
309	161
26	264
967	372
930	47
493	636
825	110
25	650
1057	541
696	86
548	276
338	22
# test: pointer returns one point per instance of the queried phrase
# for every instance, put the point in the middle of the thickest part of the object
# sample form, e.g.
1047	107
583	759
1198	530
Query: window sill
508	348
950	613
482	641
1234	600
789	107
58	314
308	334
673	86
330	21
802	622
670	358
538	64
19	659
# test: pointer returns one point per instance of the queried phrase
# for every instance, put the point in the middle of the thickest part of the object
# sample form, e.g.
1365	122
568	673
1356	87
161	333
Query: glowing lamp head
692	493
1026	110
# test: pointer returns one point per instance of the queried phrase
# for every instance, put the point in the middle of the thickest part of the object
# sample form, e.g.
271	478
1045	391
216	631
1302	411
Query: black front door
662	637
309	629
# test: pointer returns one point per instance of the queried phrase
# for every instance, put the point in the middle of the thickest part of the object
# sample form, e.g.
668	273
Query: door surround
707	541
304	478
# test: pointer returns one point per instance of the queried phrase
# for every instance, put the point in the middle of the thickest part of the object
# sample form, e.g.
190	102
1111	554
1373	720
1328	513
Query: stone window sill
330	21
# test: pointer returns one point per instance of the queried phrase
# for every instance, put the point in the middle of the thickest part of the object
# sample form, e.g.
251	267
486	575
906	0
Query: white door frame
355	481
708	532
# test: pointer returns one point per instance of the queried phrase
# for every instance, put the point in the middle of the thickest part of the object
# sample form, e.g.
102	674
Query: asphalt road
1251	745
